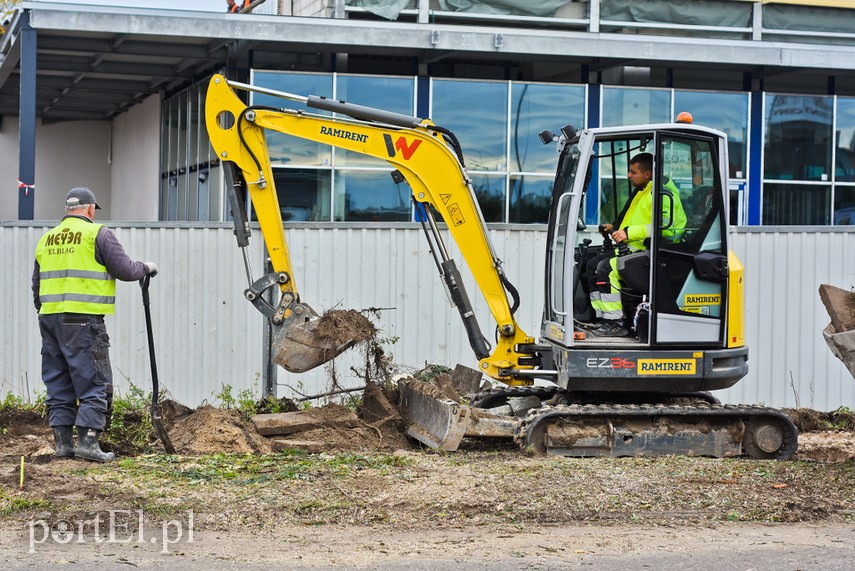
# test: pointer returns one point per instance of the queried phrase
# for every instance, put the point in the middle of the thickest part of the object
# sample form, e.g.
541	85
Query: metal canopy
96	62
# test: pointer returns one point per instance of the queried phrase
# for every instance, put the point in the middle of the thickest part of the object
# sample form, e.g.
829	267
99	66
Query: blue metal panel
27	133
755	170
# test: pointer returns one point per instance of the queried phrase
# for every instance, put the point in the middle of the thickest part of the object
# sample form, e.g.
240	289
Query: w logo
407	149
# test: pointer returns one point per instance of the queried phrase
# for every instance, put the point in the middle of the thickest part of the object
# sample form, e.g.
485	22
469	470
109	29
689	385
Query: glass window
304	194
490	192
727	112
798	138
477	113
286	149
633	106
370	196
844	140
844	205
529	198
796	204
613	167
535	107
397	95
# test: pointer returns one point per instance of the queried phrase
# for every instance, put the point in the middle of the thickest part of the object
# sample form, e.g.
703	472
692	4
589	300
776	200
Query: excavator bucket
300	348
306	341
840	333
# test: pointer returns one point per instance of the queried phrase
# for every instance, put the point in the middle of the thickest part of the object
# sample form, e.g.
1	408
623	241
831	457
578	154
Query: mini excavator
569	392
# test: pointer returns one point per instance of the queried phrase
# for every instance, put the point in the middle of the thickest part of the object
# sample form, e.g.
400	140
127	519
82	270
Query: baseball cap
80	196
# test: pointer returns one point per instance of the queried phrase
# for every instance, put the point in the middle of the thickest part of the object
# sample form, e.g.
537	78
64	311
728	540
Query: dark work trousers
597	269
76	369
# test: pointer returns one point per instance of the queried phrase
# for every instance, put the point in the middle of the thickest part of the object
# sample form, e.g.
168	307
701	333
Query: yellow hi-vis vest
639	216
71	281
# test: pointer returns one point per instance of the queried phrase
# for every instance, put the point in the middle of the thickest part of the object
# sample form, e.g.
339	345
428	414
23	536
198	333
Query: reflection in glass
727	112
529	199
476	111
844	140
613	167
303	194
798	137
535	107
286	149
634	106
844	205
490	192
370	196
396	94
796	204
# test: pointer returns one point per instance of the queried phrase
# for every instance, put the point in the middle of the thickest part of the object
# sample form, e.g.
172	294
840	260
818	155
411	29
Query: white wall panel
208	335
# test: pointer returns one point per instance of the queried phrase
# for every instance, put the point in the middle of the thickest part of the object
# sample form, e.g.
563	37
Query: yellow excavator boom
423	154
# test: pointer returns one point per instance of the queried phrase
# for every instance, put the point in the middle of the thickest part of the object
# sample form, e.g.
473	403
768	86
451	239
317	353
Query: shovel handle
155	386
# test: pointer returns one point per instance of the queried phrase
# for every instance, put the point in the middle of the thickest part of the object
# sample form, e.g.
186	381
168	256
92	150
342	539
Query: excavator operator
632	228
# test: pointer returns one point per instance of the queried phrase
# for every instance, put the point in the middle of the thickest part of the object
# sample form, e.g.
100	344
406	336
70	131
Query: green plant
15	402
130	421
243	402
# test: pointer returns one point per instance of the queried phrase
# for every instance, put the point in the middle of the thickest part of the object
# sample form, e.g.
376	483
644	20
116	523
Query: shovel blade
157	422
298	347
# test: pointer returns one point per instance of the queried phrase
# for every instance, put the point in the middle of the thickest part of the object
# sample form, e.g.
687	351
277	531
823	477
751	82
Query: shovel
156	419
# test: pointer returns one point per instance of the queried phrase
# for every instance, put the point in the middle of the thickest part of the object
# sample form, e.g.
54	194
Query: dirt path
728	546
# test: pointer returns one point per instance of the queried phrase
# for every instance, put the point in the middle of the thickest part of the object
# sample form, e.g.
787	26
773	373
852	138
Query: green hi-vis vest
71	281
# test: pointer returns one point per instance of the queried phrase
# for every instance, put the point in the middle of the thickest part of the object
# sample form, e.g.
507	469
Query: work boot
63	442
611	328
88	448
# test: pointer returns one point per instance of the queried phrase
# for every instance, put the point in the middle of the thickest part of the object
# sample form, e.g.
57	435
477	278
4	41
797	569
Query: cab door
561	270
690	246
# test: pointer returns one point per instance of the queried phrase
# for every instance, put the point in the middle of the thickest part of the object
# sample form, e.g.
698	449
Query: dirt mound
24	433
210	430
807	420
342	325
826	446
376	426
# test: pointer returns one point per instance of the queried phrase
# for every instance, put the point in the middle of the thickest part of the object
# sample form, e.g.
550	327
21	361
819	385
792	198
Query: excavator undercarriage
549	420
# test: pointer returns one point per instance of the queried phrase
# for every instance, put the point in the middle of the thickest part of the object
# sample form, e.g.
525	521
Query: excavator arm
426	156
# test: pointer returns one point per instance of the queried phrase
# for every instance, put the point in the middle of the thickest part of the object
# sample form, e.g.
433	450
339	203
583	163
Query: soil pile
824	436
343	325
211	430
378	425
24	433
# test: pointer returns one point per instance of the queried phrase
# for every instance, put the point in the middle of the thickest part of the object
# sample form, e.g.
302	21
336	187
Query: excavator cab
681	293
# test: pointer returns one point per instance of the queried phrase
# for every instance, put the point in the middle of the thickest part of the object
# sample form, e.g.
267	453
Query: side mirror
580	225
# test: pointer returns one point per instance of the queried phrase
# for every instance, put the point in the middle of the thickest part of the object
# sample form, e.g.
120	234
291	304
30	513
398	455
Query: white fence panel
208	335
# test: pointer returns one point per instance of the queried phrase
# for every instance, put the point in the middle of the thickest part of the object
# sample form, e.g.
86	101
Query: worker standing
74	284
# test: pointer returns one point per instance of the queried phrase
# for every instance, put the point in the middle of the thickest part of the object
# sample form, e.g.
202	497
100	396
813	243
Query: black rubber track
746	413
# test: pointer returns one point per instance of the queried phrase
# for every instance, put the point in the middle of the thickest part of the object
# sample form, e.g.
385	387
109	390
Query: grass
12	503
245	469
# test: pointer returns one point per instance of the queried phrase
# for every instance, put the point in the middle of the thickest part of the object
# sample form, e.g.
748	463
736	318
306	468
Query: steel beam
27	127
331	34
